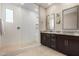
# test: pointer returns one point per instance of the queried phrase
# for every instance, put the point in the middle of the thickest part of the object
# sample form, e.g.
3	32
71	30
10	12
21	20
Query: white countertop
62	33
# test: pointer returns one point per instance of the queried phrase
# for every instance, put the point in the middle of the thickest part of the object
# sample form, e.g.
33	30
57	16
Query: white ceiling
46	5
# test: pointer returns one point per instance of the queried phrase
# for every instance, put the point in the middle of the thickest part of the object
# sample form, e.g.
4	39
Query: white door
22	29
11	16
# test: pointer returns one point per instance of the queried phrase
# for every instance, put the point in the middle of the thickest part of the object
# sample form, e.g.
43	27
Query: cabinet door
71	45
66	47
53	41
74	47
60	43
48	40
43	38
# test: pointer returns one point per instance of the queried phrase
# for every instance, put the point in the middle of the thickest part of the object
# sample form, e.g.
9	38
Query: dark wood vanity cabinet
53	41
48	40
66	44
74	46
45	39
60	43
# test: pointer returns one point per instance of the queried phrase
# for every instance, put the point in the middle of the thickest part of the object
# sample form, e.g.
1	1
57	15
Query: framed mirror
51	22
70	18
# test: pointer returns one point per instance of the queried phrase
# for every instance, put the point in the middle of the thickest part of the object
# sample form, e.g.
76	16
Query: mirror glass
51	22
70	19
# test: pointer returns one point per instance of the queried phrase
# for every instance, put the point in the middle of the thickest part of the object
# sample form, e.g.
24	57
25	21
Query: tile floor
39	50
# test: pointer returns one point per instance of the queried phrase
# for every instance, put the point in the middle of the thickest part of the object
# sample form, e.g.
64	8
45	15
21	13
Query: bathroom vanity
65	43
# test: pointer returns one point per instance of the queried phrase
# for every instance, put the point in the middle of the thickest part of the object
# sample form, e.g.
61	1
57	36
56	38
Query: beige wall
42	19
58	9
0	18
